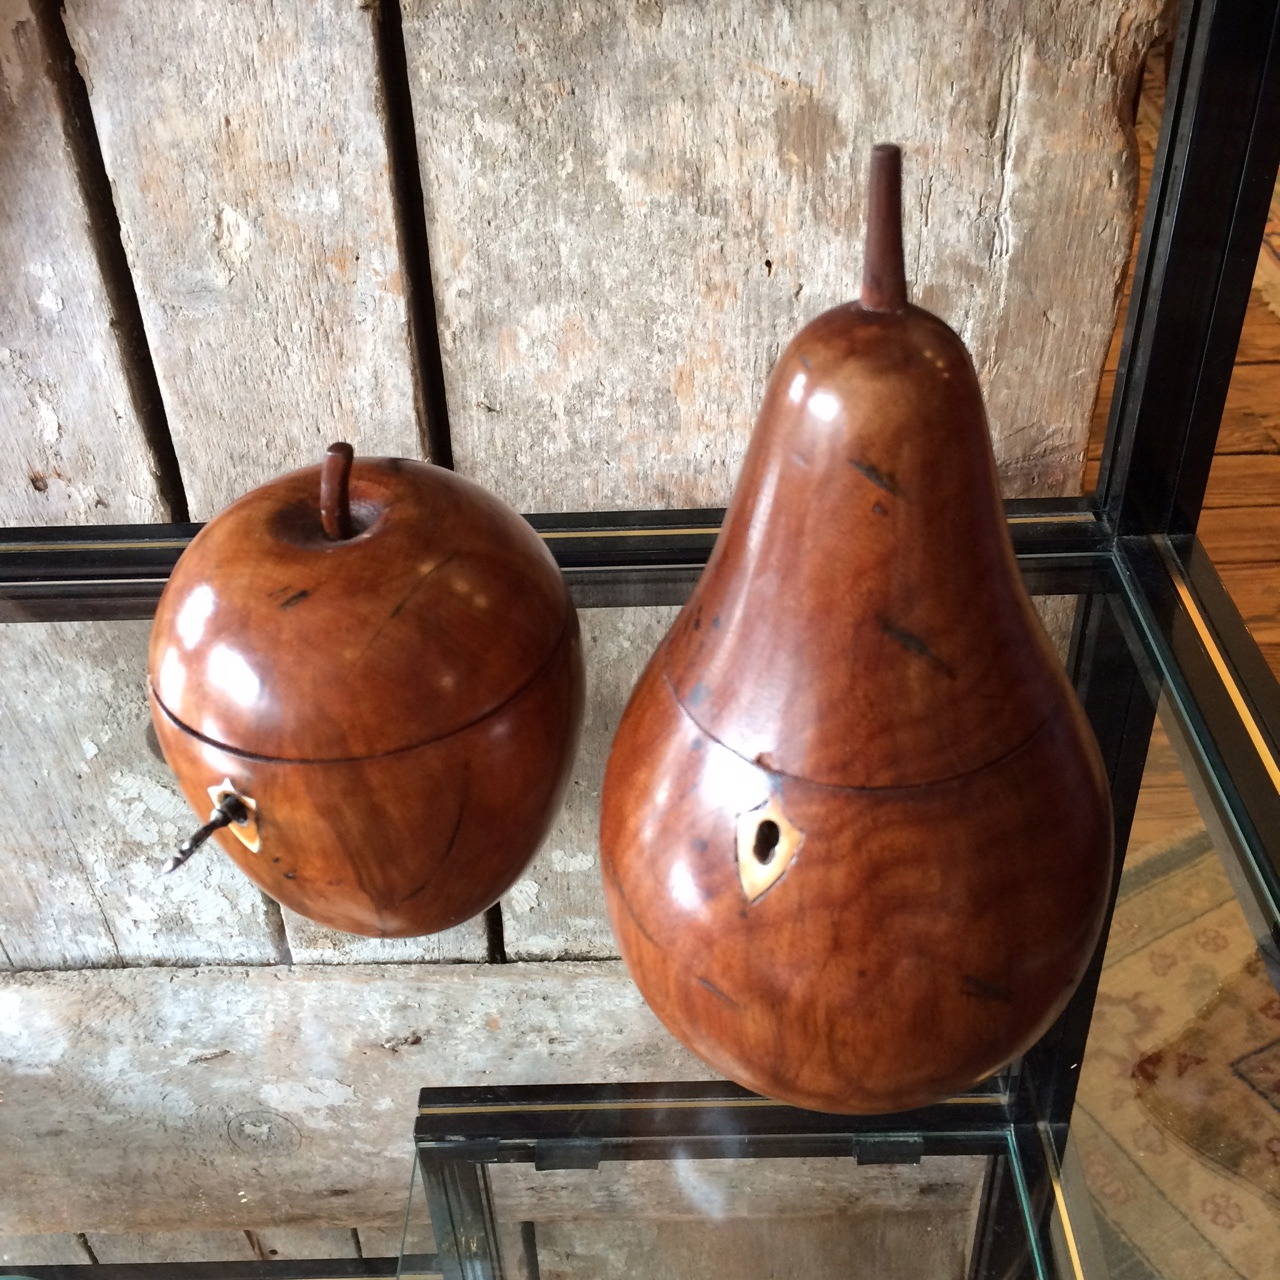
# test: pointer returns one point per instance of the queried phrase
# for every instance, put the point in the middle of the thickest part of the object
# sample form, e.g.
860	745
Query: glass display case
1143	1131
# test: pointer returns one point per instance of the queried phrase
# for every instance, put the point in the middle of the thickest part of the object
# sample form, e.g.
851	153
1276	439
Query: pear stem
884	282
335	501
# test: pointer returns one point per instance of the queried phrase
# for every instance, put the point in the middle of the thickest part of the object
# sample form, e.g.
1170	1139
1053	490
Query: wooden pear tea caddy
368	674
856	836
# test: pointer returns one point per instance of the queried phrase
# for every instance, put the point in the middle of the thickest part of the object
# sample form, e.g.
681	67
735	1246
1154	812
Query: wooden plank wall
73	439
96	816
631	207
255	204
204	277
225	1097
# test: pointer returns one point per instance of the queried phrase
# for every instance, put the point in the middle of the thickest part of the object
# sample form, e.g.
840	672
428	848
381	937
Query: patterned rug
1177	1124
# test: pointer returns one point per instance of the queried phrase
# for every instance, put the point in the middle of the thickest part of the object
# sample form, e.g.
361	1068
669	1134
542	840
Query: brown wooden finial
884	283
335	502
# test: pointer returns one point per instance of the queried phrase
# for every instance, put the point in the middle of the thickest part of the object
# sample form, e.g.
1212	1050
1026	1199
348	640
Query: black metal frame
1149	591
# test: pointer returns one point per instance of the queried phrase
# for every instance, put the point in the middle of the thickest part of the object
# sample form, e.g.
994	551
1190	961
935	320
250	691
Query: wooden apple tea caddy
370	671
856	837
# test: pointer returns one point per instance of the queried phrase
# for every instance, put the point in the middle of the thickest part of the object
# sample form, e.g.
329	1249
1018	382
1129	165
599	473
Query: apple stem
335	500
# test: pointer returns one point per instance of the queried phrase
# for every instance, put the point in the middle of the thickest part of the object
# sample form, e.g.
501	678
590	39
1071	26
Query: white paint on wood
239	1098
631	208
556	909
245	146
311	943
173	1246
93	815
72	448
42	1251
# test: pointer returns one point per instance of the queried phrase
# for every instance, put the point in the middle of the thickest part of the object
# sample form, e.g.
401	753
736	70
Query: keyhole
233	807
766	844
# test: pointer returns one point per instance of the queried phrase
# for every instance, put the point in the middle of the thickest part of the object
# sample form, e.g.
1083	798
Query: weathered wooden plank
93	816
310	943
630	208
72	445
241	1098
173	1246
556	909
384	1240
405	1234
1058	615
43	1251
304	1242
255	205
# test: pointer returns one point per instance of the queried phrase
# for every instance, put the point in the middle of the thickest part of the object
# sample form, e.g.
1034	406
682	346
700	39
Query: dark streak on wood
885	480
720	995
448	848
912	643
417	586
631	911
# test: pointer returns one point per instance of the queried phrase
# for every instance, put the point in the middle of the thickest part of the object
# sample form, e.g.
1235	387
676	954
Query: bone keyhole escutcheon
767	845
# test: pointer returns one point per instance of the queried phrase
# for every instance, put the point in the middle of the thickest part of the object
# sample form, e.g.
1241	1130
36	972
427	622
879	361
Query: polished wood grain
399	708
859	699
